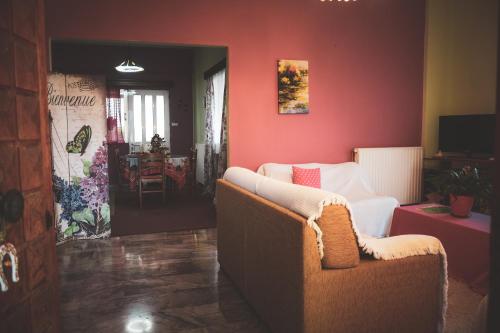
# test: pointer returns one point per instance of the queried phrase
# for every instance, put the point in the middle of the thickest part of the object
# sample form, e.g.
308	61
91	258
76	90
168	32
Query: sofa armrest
339	240
262	247
401	295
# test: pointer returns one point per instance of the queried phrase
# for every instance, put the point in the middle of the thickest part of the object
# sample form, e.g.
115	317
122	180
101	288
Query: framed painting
293	87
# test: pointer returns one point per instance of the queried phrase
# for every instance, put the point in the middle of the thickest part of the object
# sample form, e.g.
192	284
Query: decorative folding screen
80	162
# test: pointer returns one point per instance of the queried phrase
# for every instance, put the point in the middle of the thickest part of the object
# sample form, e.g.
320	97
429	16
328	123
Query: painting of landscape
293	86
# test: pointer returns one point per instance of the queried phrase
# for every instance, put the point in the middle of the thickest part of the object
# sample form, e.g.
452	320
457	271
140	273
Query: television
467	134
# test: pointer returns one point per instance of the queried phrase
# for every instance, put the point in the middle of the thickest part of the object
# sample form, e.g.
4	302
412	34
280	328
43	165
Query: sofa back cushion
244	178
340	245
347	179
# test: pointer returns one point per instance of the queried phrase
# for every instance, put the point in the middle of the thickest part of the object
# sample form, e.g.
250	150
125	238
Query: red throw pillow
307	177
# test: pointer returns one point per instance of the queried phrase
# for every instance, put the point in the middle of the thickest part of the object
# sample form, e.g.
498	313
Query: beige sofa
271	255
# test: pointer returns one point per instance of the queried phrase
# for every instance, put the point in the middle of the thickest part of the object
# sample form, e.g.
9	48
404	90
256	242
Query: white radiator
395	171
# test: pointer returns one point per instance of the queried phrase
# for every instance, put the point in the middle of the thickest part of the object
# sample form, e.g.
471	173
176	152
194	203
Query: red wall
365	66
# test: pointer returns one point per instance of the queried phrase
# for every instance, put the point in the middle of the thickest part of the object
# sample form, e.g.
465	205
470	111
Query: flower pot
461	205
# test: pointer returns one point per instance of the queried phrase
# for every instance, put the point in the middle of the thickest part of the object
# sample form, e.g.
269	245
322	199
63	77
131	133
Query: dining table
176	169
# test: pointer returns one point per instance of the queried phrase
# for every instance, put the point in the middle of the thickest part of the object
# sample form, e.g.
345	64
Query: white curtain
219	82
214	121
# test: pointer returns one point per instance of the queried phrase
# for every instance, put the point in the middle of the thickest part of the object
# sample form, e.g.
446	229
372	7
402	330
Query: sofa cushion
306	177
243	178
343	178
373	214
340	245
371	211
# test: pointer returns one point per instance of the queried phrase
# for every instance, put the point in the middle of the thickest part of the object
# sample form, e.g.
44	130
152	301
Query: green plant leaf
105	213
86	216
69	231
75	180
76	227
72	229
466	181
86	167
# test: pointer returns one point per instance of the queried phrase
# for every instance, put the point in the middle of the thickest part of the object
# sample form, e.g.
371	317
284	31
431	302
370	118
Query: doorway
168	98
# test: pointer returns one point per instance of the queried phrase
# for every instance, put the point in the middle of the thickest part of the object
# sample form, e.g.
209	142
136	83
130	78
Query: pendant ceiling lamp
129	66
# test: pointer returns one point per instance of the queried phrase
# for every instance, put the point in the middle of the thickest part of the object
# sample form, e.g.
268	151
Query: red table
176	168
466	240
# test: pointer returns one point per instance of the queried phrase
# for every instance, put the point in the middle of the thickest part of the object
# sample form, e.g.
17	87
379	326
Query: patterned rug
180	212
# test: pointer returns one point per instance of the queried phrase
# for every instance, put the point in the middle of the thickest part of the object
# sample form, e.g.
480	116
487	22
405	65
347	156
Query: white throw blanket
372	211
309	202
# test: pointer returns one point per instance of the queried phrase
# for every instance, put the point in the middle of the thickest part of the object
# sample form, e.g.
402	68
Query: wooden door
31	305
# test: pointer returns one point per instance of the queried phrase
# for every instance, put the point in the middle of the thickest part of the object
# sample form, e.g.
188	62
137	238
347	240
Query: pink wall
365	64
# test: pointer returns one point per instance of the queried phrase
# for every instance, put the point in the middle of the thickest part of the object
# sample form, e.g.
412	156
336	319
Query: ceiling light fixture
128	66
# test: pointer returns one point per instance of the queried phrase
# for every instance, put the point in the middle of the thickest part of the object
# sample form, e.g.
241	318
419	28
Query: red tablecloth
176	171
466	240
178	176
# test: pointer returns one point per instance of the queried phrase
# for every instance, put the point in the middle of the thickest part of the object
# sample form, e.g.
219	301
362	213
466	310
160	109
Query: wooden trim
494	295
215	68
138	84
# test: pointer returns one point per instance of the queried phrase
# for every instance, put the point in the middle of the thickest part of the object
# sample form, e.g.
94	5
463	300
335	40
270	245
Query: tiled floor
170	282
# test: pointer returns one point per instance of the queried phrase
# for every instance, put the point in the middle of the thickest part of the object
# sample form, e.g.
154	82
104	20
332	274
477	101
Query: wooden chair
151	172
194	154
192	170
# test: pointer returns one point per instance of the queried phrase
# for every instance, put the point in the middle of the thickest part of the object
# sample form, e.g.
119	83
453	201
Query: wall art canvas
80	161
293	86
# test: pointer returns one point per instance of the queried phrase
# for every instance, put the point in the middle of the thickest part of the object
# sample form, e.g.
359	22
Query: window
146	113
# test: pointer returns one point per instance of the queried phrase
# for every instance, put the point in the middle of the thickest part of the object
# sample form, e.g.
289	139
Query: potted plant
463	187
